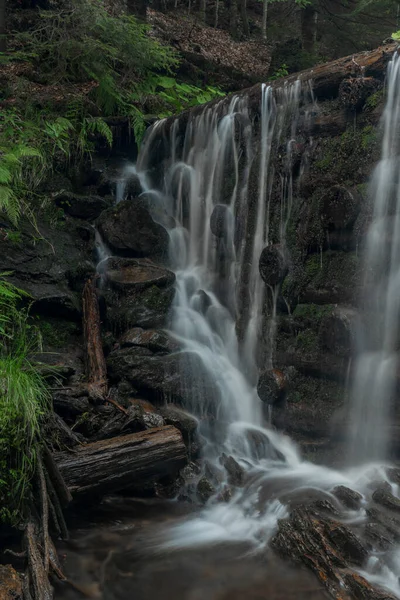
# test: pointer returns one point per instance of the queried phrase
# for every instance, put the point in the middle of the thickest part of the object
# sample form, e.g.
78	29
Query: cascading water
218	226
377	361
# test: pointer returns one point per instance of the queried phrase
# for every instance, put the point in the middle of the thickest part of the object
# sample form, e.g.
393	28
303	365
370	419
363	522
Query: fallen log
324	80
118	463
95	362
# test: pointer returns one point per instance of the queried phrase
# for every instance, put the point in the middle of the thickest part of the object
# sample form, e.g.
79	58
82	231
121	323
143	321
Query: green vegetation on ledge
77	66
24	402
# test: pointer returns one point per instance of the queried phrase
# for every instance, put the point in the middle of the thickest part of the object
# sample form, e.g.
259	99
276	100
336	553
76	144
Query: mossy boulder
128	229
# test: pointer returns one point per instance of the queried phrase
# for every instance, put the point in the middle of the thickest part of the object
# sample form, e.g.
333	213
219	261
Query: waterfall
215	248
376	365
216	183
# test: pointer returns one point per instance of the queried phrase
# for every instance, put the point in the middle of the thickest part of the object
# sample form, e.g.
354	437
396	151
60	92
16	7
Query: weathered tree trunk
243	16
95	362
37	573
117	463
264	20
203	10
232	10
3	40
216	13
137	8
309	20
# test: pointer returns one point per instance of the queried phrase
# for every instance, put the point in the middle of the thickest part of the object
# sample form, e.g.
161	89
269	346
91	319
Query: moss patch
57	333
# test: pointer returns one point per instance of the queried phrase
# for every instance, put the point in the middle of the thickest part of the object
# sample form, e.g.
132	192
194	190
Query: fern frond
9	204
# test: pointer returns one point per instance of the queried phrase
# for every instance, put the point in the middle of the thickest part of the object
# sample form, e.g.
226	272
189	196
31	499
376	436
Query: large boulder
146	308
49	267
79	206
130	273
177	377
128	229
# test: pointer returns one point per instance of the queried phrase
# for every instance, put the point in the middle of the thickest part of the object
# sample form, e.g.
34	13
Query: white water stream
218	312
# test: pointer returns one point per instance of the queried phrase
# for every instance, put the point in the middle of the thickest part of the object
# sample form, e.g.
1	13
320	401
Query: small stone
235	472
272	386
10	584
385	498
348	497
204	489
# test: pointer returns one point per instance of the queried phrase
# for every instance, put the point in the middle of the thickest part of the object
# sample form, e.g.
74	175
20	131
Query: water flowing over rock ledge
134	438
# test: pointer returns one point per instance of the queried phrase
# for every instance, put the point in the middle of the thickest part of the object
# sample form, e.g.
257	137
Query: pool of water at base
114	554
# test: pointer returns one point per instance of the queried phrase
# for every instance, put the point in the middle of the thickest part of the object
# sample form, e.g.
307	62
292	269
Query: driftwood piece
44	501
95	362
330	549
38	576
118	463
62	491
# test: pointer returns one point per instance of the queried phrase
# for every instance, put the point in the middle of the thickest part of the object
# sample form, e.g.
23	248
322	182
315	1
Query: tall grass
24	401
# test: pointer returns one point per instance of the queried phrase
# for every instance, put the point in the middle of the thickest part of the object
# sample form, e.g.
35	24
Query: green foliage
30	145
116	68
281	72
24	400
396	35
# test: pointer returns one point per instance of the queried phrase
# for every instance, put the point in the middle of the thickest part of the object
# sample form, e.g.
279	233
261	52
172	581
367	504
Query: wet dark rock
10	584
70	402
202	301
378	536
389	526
393	475
236	473
82	207
273	264
259	446
40	267
129	273
361	589
220	220
387	499
338	331
340	207
172	376
153	339
354	91
182	420
325	546
128	229
204	489
213	473
272	386
146	308
140	415
349	498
